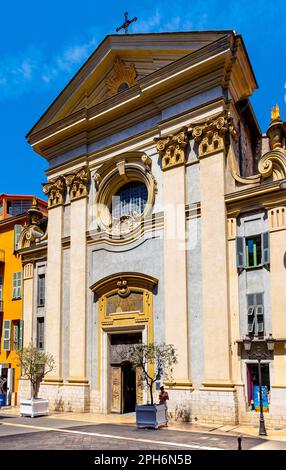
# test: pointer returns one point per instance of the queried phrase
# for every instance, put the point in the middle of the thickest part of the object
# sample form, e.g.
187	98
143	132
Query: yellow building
13	216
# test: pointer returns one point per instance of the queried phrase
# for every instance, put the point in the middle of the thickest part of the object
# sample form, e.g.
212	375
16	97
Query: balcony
2	256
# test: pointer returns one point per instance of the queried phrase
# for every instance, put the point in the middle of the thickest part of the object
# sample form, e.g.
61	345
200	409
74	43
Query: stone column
211	137
172	151
78	222
56	192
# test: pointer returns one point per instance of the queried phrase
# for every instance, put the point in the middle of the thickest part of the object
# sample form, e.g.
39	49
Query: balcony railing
2	256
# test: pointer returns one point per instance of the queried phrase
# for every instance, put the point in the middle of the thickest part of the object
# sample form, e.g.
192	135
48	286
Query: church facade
166	223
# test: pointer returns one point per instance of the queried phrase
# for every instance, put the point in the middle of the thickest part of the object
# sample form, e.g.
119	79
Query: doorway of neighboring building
253	386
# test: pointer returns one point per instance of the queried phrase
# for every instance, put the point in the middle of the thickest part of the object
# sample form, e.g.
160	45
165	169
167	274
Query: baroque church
166	223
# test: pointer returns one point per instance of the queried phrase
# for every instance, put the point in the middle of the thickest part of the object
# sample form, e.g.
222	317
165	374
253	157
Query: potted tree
155	362
35	365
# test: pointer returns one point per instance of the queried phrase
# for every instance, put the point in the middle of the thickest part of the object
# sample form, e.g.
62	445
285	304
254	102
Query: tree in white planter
34	365
156	361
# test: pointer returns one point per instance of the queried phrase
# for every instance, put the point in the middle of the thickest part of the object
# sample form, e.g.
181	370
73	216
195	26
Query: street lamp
259	356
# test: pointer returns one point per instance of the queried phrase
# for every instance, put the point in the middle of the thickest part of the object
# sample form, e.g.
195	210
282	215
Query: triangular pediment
121	61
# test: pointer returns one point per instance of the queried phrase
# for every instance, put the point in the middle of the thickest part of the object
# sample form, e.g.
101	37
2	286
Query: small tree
35	365
161	358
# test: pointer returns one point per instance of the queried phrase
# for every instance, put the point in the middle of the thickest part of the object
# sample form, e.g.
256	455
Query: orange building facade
13	216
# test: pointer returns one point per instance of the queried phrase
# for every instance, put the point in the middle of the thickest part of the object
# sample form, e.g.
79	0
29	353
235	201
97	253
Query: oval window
129	200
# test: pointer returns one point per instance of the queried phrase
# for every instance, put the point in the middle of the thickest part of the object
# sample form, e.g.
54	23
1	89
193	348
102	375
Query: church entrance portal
126	389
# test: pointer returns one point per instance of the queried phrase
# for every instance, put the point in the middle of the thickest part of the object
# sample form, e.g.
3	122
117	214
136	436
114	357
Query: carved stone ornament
275	132
172	149
55	190
122	288
212	136
122	77
32	232
273	164
78	183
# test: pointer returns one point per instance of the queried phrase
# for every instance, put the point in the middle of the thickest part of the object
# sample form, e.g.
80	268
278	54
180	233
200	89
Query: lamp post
259	356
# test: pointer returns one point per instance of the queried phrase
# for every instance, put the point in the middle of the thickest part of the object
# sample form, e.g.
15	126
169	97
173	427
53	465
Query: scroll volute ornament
172	149
55	190
212	136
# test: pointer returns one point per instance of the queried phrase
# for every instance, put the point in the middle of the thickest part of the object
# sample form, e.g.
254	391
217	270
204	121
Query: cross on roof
126	23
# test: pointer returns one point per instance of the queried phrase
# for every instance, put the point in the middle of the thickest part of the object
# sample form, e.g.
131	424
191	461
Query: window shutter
260	319
7	335
16	335
240	259
16	285
21	334
1	288
265	248
251	324
17	232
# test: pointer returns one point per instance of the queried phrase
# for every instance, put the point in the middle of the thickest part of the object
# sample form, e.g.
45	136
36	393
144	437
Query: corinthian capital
78	183
212	136
55	190
172	149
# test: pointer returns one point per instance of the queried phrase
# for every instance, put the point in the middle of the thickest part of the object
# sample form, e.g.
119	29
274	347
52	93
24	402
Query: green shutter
265	248
16	335
21	333
17	232
16	294
240	259
7	335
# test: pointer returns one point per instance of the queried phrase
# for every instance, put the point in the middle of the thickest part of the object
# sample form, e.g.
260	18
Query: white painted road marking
110	436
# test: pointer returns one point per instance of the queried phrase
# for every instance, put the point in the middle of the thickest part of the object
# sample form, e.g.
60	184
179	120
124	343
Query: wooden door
116	389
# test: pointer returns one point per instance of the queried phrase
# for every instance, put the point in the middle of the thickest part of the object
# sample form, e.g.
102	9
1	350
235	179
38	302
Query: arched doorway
128	388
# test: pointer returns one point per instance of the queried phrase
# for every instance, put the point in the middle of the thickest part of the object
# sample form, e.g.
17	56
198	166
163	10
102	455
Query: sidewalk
129	419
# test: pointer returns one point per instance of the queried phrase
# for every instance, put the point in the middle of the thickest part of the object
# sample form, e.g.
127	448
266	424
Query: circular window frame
122	172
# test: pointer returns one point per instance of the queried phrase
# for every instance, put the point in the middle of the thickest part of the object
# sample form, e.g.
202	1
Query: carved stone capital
172	149
55	190
213	135
78	183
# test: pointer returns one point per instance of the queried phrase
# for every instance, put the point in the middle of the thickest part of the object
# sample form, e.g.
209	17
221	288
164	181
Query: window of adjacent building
18	334
16	207
16	292
255	314
41	290
129	200
7	335
40	332
253	252
17	232
1	209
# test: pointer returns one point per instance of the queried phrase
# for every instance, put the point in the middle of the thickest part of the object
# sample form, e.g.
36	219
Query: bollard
239	439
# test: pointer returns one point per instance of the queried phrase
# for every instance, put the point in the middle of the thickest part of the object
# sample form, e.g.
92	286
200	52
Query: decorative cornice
55	190
78	183
212	136
122	76
172	149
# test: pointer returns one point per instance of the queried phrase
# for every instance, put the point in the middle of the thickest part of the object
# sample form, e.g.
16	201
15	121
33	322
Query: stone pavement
98	431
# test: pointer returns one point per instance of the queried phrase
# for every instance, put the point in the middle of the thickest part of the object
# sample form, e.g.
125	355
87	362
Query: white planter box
151	416
35	407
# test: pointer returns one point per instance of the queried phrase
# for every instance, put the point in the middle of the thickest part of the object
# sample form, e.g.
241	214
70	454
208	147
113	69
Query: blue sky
42	44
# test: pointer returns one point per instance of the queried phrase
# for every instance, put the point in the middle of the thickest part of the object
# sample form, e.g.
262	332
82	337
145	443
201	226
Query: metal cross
126	23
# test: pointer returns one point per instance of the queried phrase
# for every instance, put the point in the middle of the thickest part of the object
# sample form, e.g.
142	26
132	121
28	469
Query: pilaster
28	302
172	151
56	192
78	184
212	138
